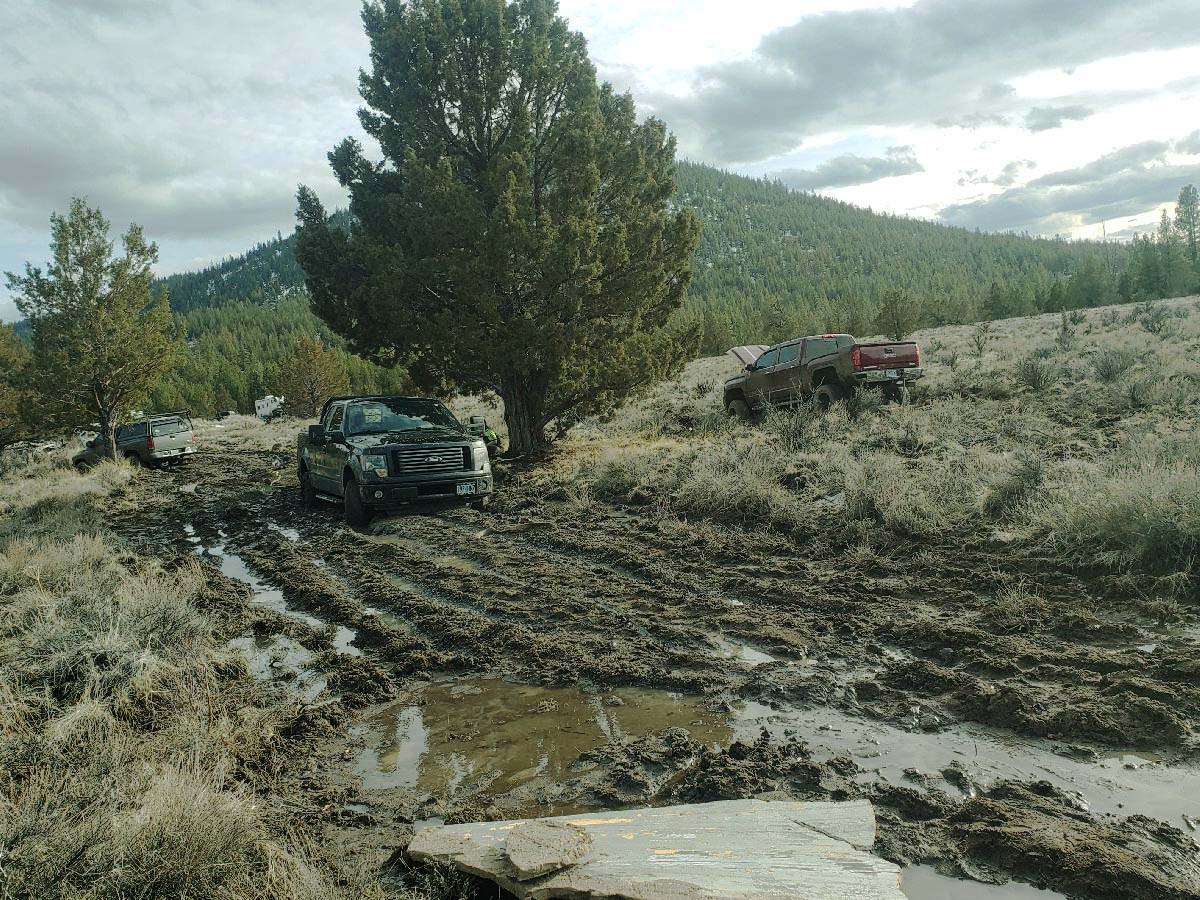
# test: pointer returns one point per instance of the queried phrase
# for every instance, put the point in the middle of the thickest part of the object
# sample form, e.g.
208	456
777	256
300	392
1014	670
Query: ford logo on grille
433	459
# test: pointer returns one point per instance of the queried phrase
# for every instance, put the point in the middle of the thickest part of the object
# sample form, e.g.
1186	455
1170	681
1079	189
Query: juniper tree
101	341
310	375
14	356
517	235
898	314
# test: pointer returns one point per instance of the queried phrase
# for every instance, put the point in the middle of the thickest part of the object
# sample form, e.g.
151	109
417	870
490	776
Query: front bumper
445	488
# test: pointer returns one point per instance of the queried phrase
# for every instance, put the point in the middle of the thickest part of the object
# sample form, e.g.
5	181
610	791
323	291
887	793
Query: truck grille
439	459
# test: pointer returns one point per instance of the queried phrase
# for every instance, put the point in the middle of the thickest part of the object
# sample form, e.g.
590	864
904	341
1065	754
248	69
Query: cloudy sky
198	118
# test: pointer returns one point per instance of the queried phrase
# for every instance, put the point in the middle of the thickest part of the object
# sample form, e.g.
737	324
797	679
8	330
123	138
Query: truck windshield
400	414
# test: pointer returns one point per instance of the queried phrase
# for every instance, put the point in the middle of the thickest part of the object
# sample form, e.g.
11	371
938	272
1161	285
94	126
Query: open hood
748	354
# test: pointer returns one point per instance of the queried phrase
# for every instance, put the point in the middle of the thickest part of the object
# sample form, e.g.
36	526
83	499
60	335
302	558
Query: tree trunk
524	402
108	430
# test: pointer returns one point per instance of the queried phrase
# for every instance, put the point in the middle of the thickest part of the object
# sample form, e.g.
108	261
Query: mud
463	665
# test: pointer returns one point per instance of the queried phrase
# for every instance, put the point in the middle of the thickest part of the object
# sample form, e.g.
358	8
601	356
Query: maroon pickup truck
825	368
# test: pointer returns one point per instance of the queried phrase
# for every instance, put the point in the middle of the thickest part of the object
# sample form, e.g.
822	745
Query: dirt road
547	657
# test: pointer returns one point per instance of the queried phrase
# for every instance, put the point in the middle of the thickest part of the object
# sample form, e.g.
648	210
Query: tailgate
172	434
889	355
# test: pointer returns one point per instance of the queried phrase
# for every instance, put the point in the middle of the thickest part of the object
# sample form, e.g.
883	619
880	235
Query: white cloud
197	118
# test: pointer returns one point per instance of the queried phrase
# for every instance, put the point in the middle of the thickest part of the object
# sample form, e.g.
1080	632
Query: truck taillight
918	354
149	443
856	358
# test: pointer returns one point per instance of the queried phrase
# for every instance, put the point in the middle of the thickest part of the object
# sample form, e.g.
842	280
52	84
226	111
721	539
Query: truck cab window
788	354
815	347
768	359
335	418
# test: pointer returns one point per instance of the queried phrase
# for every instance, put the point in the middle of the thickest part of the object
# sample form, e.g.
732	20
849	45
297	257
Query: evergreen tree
100	341
14	356
1176	270
1187	222
310	375
899	314
1091	286
519	235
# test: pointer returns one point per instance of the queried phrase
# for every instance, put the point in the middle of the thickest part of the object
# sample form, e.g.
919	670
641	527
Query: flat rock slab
732	850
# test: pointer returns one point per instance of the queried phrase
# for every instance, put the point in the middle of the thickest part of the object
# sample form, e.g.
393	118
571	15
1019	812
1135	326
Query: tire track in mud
626	600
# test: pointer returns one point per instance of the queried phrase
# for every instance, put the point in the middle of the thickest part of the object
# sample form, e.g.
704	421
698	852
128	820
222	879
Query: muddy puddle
278	658
477	733
752	656
1121	784
262	594
486	732
924	883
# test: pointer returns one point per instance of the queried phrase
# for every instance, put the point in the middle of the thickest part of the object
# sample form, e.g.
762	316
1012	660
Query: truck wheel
897	394
829	394
307	495
482	504
738	408
134	459
358	514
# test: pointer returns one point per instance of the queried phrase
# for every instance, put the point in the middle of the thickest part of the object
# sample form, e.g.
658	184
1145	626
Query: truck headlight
480	455
376	463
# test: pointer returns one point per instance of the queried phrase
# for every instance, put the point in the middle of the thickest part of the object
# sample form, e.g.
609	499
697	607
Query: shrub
1065	339
1035	374
1138	514
1154	317
1016	485
1112	364
981	336
1016	608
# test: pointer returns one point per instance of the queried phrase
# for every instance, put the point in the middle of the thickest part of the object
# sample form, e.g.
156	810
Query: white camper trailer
268	407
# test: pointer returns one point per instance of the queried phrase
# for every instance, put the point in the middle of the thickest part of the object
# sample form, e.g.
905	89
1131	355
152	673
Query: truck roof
346	397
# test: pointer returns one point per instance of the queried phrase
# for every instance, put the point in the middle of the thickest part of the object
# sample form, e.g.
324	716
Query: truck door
814	349
784	389
321	459
758	382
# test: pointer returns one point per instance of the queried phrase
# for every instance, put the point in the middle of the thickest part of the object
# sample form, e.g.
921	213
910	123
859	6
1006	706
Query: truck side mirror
477	425
479	420
316	435
750	367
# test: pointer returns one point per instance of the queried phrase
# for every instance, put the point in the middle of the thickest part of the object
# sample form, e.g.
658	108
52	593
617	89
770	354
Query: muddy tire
358	514
828	394
308	496
738	408
133	459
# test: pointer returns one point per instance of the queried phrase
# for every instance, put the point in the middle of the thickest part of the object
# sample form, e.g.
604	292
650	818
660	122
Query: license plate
467	488
892	373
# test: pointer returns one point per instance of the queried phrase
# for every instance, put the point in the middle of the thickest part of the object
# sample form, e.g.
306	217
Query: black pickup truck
377	454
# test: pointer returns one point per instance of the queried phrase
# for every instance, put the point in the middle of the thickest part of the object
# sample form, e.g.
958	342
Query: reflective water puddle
486	730
278	658
262	594
1120	784
924	883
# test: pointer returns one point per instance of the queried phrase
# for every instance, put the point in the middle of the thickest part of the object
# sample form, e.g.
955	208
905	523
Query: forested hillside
771	262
